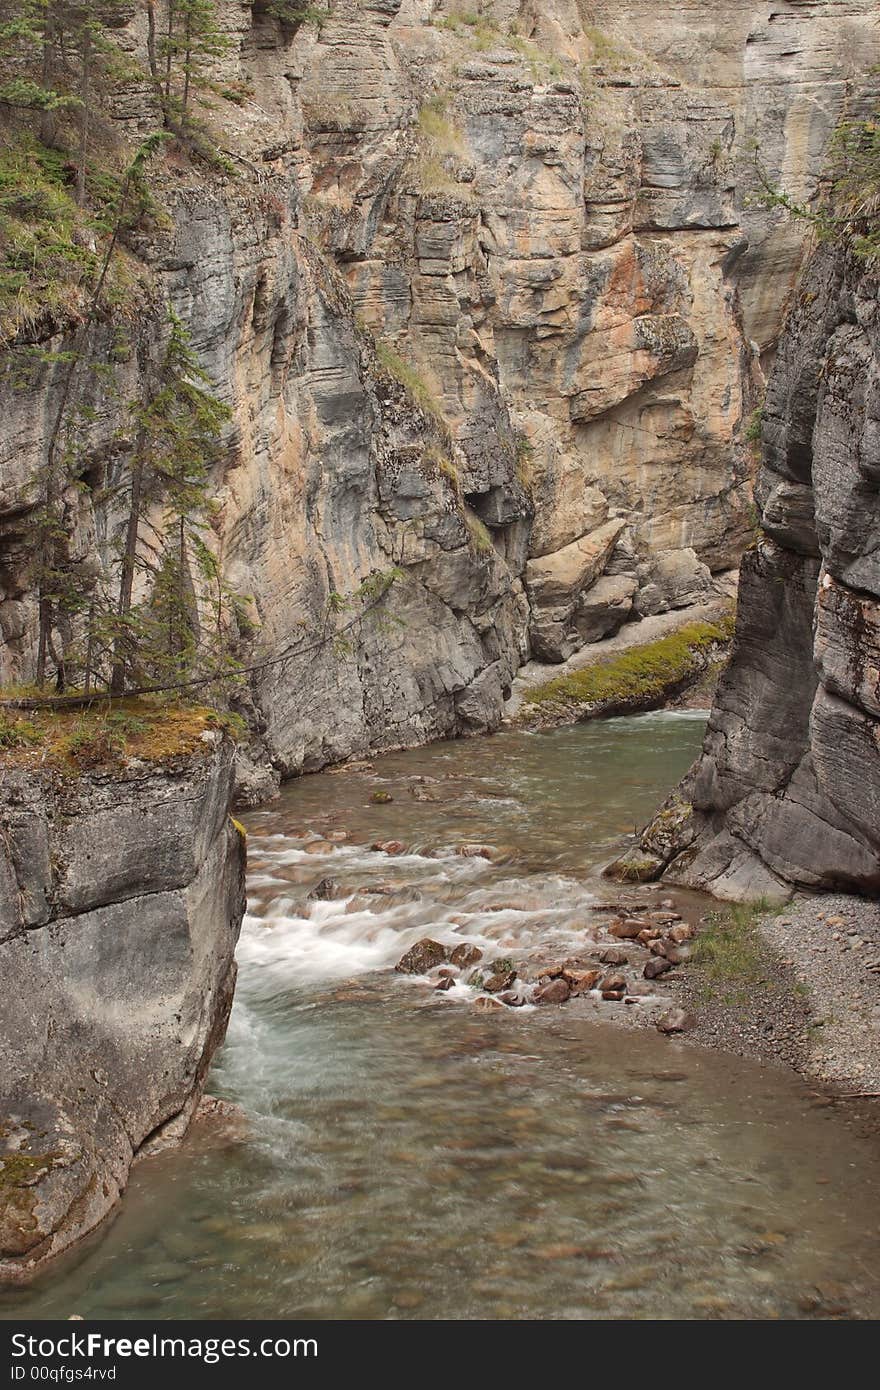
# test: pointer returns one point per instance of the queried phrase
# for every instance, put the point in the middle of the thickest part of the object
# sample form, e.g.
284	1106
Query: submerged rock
663	919
581	981
612	983
499	980
627	928
325	890
612	955
487	1003
511	999
465	955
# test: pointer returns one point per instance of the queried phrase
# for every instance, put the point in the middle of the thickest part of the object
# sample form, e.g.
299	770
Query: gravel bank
815	1006
831	944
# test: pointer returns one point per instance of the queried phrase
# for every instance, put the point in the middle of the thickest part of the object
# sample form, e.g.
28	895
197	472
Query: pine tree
26	65
182	55
57	589
177	430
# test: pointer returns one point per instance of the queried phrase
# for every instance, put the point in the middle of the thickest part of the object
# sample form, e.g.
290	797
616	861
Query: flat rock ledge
646	665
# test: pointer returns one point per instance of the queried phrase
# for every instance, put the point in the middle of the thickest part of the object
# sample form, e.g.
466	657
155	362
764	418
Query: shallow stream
409	1155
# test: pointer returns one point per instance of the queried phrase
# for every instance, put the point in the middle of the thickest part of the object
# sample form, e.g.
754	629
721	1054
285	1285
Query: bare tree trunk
84	115
60	669
47	117
126	578
170	38
152	57
45	623
90	649
181	572
187	65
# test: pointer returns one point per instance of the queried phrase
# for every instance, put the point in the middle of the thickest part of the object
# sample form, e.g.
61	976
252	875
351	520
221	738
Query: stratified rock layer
787	789
121	898
541	211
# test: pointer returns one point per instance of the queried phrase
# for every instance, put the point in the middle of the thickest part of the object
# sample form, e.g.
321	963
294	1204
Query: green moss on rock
635	867
106	732
639	677
23	1170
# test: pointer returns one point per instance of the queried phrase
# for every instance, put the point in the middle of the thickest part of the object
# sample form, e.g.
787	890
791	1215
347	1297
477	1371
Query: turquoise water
407	1155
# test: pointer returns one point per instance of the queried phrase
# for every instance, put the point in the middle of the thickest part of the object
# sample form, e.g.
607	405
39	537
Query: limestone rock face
788	72
473	297
554	244
556	584
122	897
787	789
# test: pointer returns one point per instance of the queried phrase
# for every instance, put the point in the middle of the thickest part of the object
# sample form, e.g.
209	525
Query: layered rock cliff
473	299
789	71
787	790
121	897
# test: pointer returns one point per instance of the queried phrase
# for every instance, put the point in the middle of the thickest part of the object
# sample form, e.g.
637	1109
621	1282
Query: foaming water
408	1156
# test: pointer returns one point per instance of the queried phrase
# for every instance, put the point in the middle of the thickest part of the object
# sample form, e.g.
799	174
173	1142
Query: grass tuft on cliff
107	733
478	532
412	381
640	675
48	246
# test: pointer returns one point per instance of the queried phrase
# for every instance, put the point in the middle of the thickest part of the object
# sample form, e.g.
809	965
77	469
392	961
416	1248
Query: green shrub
18	733
753	429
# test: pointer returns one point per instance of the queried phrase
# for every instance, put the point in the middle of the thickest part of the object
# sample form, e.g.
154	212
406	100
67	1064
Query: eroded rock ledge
121	898
787	789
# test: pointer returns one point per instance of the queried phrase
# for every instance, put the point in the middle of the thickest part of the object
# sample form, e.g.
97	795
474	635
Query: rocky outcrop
787	789
121	897
473	298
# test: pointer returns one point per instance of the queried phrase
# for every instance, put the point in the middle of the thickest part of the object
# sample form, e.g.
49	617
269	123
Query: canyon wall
790	71
480	290
474	298
121	897
787	789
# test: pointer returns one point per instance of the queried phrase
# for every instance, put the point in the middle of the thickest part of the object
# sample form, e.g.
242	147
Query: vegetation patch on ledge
639	677
107	733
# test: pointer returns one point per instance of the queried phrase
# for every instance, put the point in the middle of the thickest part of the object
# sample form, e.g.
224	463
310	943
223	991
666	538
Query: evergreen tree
177	429
181	55
26	56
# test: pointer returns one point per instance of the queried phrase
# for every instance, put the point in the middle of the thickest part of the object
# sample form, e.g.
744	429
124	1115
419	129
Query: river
409	1155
